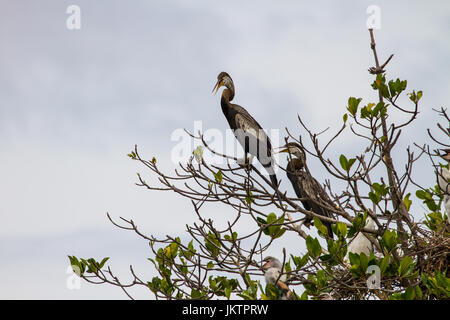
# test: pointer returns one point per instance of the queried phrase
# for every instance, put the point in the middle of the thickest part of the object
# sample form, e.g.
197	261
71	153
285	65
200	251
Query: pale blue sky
74	103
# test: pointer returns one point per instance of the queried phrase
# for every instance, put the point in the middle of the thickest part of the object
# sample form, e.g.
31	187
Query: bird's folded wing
283	285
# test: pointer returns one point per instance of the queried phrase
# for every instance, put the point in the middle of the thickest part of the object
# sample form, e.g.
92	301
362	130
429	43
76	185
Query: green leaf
300	262
365	113
198	154
407	202
421	194
374	197
419	95
364	261
389	240
427	198
271	218
353	105
381	189
102	263
154	285
378	109
355	270
396	87
404	266
358	222
321	281
195	294
77	266
287	266
410	293
350	163
345	117
218	176
275	231
249	198
384	264
354	259
313	246
191	251
344	162
342	229
212	244
380	84
272	292
392	88
278	233
228	292
261	220
250	293
419	293
320	226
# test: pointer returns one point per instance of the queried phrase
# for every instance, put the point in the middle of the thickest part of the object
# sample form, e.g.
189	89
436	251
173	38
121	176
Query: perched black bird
306	186
246	129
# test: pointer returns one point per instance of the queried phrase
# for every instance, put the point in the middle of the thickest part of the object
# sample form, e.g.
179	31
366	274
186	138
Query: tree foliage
218	262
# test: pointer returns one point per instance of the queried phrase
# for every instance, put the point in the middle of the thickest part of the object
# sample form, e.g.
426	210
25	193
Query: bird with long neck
246	129
444	182
313	196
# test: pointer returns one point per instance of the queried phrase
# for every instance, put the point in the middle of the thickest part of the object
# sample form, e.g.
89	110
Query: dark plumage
305	186
247	130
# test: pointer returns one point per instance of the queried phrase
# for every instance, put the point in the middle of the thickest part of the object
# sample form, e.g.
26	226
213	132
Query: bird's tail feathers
274	180
330	231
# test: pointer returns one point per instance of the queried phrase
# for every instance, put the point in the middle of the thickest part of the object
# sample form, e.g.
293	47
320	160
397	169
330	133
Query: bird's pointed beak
217	86
283	149
266	265
445	154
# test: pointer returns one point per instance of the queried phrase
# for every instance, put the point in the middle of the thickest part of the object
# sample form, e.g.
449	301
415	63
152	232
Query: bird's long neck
295	164
227	96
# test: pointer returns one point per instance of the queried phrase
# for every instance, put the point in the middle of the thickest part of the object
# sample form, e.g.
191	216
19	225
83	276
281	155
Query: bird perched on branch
246	129
305	186
272	269
444	182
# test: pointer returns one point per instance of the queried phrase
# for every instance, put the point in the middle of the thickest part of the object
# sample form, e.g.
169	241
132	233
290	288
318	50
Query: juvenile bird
272	269
305	186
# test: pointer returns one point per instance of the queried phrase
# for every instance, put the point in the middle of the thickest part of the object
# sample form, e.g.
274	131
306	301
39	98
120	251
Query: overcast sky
73	103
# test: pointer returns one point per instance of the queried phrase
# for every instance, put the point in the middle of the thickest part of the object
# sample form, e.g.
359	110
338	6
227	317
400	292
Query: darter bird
305	186
246	129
